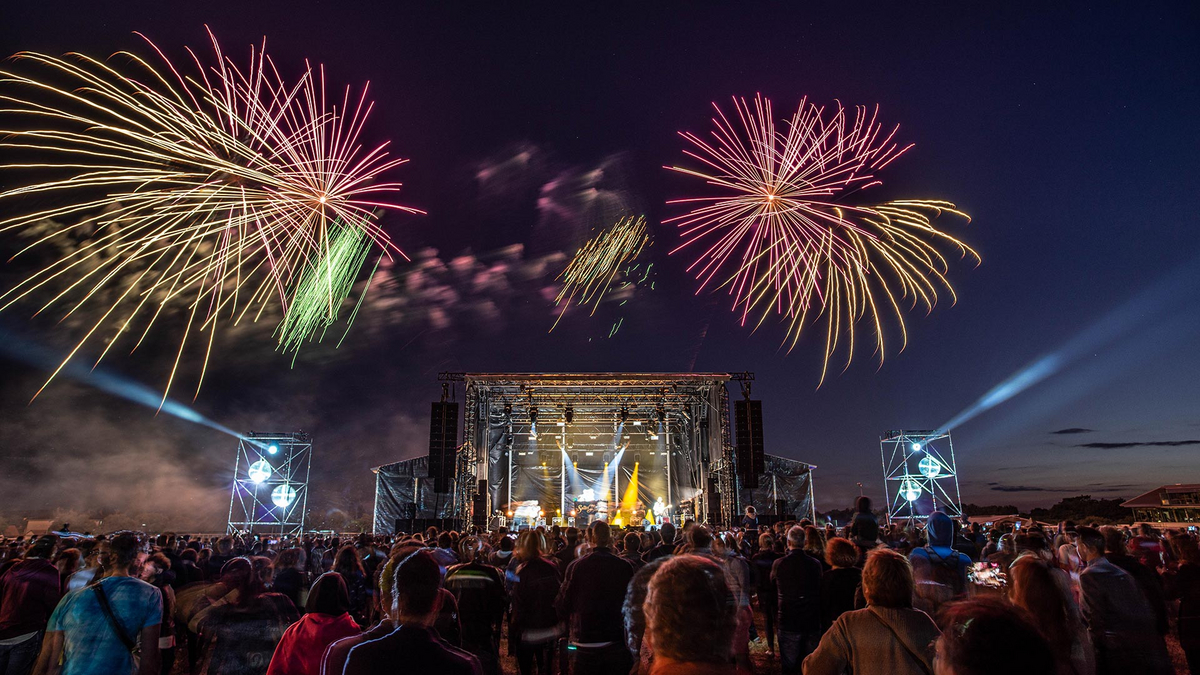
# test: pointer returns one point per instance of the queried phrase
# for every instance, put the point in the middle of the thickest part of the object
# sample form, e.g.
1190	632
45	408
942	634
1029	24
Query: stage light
569	413
273	448
662	413
572	513
561	424
283	495
653	436
533	411
624	414
910	490
916	447
930	467
508	410
510	514
637	423
259	471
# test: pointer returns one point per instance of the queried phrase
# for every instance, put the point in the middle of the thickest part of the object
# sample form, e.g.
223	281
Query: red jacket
302	648
29	592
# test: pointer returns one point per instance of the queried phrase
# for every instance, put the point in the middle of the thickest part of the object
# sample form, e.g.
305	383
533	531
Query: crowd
941	598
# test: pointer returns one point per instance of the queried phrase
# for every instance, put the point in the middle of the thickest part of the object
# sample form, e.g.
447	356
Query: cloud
1138	444
1093	487
1072	430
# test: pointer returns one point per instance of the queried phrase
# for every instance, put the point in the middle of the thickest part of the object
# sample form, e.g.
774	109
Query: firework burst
793	232
597	264
221	192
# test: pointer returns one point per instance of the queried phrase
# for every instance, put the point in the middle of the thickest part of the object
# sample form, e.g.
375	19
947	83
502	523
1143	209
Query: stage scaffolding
270	483
920	475
551	436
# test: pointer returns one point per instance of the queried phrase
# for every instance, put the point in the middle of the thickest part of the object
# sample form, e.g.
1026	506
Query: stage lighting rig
569	413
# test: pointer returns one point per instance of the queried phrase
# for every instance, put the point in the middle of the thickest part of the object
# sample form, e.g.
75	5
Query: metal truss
270	483
920	475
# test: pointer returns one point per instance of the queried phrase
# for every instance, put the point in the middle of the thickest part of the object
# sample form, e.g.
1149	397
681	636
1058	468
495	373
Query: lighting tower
270	483
919	474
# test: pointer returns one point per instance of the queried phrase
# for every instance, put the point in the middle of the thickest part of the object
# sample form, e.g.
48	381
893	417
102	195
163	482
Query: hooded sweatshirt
301	651
939	571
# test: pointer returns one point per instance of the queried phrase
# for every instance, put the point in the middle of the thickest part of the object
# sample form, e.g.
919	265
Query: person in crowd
940	571
188	572
632	551
992	545
1052	610
96	629
327	619
864	528
1187	590
500	557
350	567
1147	546
768	599
988	637
840	583
156	571
414	646
750	520
1147	579
241	623
567	555
222	553
67	562
592	593
444	553
289	578
814	545
666	547
690	615
533	626
334	660
797	580
479	590
1066	549
29	591
1119	618
92	566
889	636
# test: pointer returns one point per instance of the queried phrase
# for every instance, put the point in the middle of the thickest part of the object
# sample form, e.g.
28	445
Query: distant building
1179	503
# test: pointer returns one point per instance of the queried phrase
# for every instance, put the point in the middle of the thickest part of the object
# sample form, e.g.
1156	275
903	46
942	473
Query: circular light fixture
916	447
910	490
272	449
283	495
259	471
930	467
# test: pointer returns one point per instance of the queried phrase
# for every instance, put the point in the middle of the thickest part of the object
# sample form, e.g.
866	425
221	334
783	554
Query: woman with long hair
327	620
242	623
533	626
1033	588
349	565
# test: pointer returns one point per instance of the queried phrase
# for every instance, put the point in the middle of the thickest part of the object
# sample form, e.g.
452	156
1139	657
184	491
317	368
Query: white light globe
273	448
916	447
283	495
930	467
259	471
910	490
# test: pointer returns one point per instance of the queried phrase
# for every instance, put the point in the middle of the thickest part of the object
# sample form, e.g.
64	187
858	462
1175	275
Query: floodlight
259	471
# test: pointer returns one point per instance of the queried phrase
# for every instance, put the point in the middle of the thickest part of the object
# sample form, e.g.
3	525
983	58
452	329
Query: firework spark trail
216	191
597	263
790	233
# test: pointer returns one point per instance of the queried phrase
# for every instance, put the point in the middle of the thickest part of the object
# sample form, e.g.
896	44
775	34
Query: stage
635	449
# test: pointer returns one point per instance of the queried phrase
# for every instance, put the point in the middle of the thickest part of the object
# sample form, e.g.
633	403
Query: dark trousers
18	659
770	610
539	656
611	660
794	646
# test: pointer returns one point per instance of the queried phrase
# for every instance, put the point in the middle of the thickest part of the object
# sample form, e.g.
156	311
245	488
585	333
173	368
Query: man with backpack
940	572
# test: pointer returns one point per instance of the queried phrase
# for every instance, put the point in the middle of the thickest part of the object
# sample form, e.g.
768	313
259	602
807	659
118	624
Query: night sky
1070	136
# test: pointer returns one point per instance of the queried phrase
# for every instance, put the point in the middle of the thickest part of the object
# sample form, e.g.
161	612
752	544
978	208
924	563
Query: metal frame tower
919	474
270	483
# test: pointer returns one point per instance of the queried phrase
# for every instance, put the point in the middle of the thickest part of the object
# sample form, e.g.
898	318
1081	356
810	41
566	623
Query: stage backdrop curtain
786	479
404	490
